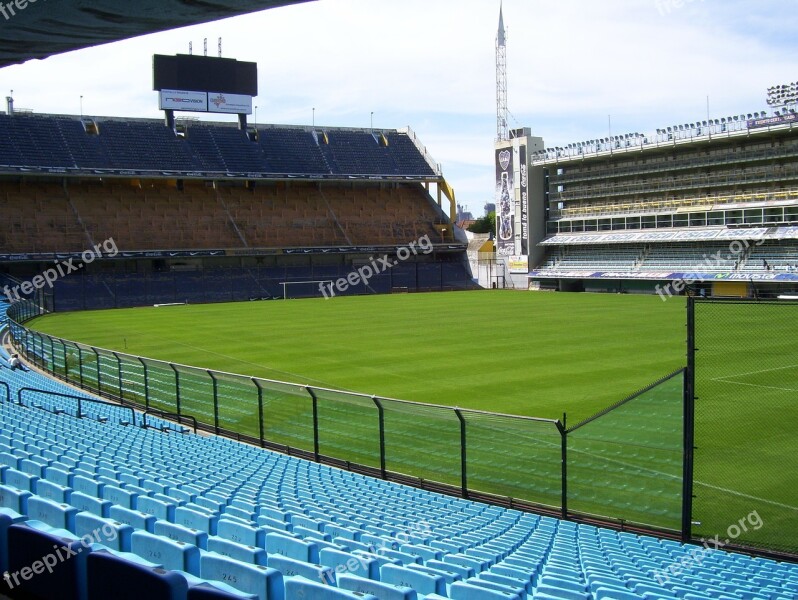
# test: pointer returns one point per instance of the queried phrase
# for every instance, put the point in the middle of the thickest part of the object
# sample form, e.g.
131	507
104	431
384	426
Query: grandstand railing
622	467
80	401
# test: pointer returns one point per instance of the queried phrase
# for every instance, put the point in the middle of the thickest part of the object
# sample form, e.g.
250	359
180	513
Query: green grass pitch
534	354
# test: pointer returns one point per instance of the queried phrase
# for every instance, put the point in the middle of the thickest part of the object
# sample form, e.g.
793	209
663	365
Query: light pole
372	120
81	105
314	116
256	114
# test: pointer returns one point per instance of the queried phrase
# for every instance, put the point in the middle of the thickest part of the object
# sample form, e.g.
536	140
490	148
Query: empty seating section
675	203
224	149
143	145
62	142
182	514
714	176
85	291
155	217
772	257
358	152
594	258
38	218
293	151
708	257
53	218
699	258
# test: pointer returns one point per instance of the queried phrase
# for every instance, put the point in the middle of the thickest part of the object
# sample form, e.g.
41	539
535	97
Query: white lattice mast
502	130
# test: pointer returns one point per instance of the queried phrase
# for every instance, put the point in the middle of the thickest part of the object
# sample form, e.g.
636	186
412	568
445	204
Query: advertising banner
229	103
505	203
182	100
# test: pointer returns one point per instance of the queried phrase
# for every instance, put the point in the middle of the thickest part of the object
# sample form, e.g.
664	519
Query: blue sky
430	64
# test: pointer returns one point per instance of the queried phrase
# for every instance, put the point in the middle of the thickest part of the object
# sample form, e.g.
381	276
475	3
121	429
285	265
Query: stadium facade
706	208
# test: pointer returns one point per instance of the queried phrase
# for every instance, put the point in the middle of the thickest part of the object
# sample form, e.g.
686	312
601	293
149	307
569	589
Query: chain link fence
746	423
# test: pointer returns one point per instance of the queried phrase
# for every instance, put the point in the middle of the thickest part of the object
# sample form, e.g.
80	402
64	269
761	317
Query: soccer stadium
233	360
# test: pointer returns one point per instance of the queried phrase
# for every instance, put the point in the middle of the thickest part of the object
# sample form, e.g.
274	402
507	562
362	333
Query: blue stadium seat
196	519
466	591
297	568
179	533
265	582
7	518
53	491
14	499
299	587
423	583
57	515
84	502
241	533
22	481
134	518
173	555
123	576
161	510
345	562
202	589
241	552
119	496
46	562
88	485
383	591
107	532
292	548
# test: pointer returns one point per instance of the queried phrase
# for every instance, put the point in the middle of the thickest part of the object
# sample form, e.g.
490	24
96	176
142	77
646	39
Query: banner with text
524	185
505	203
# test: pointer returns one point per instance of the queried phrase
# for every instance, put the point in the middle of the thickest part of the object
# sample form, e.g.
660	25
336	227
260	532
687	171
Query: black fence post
381	418
177	388
260	411
215	401
66	361
52	354
146	384
315	423
33	348
99	377
35	353
30	350
463	455
119	377
689	425
42	359
80	366
562	427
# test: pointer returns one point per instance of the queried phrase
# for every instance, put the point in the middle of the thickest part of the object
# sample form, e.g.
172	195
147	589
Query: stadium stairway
101	507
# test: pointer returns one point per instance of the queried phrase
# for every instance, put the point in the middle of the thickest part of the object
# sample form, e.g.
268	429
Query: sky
573	67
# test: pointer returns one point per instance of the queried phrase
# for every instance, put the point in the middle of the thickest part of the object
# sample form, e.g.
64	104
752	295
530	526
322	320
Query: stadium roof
38	29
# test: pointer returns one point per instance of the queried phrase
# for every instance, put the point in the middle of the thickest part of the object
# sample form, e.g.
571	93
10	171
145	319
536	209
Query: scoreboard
204	83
